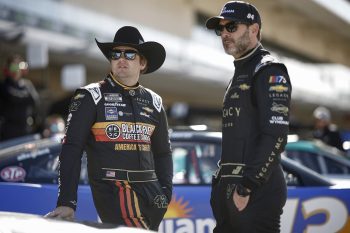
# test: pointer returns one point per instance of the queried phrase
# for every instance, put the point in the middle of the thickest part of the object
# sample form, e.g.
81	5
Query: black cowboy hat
130	36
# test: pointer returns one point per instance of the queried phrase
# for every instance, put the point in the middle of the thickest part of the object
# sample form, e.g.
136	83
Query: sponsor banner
13	174
132	146
122	132
111	113
277	79
308	210
279	120
113	97
280	108
278	88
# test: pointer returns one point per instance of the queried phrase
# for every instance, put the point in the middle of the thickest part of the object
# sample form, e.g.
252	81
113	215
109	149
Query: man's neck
127	82
249	52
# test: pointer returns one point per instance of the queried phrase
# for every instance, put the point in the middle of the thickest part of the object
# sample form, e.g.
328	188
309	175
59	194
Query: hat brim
213	22
152	51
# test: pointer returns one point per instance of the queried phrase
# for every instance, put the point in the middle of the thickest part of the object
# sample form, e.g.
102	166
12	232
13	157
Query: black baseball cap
236	11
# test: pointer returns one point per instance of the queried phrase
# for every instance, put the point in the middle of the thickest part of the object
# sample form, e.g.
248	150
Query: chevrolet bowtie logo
244	87
237	170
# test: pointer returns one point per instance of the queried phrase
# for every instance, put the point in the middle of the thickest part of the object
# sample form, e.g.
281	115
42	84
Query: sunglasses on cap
230	27
128	54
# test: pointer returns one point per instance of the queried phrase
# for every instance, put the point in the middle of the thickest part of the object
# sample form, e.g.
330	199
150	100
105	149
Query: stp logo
112	131
13	174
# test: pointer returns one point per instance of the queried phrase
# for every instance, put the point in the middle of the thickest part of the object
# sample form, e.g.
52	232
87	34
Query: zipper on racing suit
131	94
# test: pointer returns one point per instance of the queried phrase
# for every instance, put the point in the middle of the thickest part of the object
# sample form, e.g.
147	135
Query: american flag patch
110	174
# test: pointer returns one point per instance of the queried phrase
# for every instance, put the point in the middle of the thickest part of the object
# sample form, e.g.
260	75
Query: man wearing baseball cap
248	189
324	129
123	128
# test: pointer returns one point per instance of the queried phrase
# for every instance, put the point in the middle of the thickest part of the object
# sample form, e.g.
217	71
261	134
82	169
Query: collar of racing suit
133	91
248	54
137	85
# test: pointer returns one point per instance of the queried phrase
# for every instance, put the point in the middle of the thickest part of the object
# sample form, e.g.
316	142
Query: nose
122	58
224	33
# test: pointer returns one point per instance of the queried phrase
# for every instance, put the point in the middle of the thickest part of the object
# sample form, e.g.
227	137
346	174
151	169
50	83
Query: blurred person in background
325	130
19	100
249	189
123	128
54	126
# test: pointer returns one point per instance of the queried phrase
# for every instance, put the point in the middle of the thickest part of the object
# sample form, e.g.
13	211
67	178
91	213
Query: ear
143	64
254	28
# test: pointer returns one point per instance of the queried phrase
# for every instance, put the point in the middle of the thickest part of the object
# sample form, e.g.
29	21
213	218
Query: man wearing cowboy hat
123	128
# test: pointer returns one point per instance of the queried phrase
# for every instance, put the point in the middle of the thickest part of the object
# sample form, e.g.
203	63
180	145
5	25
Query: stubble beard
238	47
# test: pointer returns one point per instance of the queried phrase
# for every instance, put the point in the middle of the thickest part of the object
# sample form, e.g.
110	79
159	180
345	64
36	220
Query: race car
28	175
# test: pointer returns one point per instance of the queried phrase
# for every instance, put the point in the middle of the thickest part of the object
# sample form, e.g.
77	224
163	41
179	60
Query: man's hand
240	202
61	212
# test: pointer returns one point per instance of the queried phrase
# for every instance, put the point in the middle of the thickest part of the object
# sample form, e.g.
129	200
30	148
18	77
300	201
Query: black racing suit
124	132
18	102
255	126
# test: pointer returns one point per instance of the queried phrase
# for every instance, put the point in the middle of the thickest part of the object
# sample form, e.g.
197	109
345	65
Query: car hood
29	223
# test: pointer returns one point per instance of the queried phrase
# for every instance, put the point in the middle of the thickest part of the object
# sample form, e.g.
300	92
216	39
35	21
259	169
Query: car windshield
194	162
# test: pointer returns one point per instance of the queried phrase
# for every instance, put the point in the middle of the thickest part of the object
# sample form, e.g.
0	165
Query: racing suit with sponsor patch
124	132
255	122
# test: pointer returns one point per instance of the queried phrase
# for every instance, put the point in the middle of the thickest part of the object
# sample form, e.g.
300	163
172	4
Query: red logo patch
13	174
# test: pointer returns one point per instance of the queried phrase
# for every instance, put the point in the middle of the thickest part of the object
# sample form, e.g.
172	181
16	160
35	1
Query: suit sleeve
82	114
162	155
271	94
